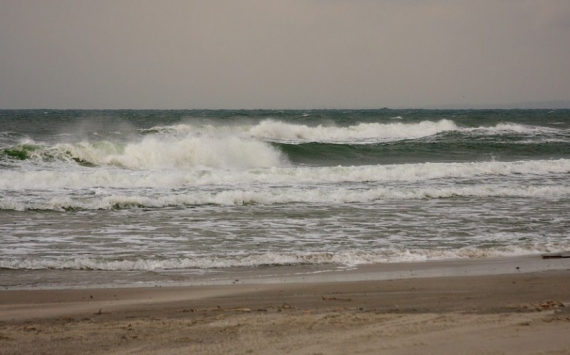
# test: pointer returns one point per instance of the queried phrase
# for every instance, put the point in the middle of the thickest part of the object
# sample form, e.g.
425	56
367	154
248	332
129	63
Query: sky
286	54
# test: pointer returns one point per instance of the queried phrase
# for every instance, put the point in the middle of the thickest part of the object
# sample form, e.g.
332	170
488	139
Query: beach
284	232
297	177
510	312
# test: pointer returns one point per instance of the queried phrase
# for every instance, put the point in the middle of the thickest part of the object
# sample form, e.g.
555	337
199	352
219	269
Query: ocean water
131	196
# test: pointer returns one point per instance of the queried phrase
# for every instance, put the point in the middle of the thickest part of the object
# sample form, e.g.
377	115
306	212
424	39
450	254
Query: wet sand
514	313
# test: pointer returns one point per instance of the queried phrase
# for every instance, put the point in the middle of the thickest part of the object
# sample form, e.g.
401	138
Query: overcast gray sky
282	54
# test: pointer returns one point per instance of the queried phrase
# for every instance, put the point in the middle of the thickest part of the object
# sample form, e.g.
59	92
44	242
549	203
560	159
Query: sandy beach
511	313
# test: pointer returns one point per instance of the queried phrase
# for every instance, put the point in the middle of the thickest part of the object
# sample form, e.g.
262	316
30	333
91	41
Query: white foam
168	152
345	258
361	133
102	177
199	130
270	196
274	130
510	128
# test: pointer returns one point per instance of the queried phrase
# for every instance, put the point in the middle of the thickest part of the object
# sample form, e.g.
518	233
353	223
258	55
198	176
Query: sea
140	197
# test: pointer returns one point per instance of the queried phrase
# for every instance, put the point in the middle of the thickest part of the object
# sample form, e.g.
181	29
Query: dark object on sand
562	255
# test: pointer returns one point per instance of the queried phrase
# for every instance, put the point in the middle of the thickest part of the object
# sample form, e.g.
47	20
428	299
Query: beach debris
543	306
336	299
284	306
99	313
241	309
552	304
4	337
562	255
31	329
237	309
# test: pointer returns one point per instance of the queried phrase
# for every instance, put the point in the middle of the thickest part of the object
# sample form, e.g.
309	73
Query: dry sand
520	313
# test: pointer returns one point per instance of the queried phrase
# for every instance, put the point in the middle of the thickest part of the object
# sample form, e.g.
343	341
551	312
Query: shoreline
511	312
283	274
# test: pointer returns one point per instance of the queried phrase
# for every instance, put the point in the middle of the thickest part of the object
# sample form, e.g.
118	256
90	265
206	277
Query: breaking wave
272	143
271	196
363	133
180	178
157	152
347	258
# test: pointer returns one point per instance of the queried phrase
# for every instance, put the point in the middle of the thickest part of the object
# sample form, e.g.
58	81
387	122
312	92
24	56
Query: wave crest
273	196
363	133
179	178
158	152
345	258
